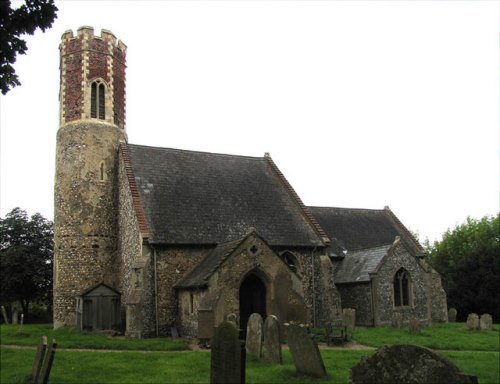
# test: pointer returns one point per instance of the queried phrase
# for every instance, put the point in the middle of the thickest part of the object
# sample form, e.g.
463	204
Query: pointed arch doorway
252	300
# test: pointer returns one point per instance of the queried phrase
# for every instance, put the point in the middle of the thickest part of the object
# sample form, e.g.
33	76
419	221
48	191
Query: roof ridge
349	209
136	200
307	214
405	230
199	152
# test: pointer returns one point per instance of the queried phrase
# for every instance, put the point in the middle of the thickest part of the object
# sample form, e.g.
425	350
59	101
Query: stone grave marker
304	350
272	341
485	322
452	315
414	326
174	332
37	363
407	364
472	322
397	320
4	314
227	362
254	336
43	378
15	317
349	318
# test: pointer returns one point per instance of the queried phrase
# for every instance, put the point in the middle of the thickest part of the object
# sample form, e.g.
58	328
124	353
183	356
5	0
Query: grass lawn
163	366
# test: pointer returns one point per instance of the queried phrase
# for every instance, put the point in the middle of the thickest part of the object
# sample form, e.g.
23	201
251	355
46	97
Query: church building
149	238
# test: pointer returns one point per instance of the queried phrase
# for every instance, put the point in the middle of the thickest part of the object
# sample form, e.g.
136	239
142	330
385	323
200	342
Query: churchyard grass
71	338
450	336
71	366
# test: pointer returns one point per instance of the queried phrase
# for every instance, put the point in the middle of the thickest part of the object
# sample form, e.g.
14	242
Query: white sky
361	104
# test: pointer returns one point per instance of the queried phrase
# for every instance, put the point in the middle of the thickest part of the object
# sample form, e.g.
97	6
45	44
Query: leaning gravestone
349	317
410	364
272	341
47	363
397	320
304	350
452	315
227	364
37	363
472	322
485	322
254	336
4	314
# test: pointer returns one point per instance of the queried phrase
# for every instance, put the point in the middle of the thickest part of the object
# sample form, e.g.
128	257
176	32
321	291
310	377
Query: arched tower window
402	288
97	100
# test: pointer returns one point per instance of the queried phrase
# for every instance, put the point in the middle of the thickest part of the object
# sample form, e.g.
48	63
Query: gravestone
15	317
4	314
452	315
304	350
414	325
227	363
37	363
397	320
47	363
485	322
174	332
409	364
272	341
349	317
472	322
254	336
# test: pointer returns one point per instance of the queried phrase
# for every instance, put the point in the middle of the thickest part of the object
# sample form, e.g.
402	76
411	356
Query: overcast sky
360	104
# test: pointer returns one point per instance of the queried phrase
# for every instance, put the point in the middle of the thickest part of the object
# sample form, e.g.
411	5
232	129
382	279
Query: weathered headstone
37	363
349	317
485	322
227	364
407	364
15	317
272	341
4	314
47	363
174	332
304	350
452	315
472	322
414	325
397	320
254	336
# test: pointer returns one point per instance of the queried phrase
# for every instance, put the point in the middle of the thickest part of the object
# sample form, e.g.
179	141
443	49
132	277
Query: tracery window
97	100
290	260
402	288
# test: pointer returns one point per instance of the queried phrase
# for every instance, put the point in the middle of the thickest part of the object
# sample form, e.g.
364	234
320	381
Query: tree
468	259
14	23
26	254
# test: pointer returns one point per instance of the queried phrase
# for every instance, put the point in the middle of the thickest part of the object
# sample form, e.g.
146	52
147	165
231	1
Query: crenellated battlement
87	33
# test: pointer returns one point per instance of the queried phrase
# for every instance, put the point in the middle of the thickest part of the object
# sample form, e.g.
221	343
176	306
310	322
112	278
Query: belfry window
97	100
291	261
402	288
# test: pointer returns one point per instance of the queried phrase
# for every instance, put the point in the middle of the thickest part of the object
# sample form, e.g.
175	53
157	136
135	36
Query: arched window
402	288
290	260
97	100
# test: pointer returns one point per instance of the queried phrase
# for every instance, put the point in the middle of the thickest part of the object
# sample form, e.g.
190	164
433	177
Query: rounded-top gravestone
409	364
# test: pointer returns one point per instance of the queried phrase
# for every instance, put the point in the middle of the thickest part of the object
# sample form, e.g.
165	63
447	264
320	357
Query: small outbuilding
98	308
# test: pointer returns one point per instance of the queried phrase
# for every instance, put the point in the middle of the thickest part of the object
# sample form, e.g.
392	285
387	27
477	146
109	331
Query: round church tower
92	125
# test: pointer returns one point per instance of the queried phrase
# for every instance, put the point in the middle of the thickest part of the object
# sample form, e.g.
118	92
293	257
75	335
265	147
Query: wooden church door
252	300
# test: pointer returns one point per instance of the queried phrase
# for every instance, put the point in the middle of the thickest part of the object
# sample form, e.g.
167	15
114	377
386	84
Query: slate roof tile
191	197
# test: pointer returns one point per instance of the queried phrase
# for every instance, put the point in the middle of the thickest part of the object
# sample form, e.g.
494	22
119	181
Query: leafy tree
468	259
26	254
14	23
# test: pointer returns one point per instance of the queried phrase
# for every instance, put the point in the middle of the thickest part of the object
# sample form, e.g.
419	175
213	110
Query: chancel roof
353	229
189	197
